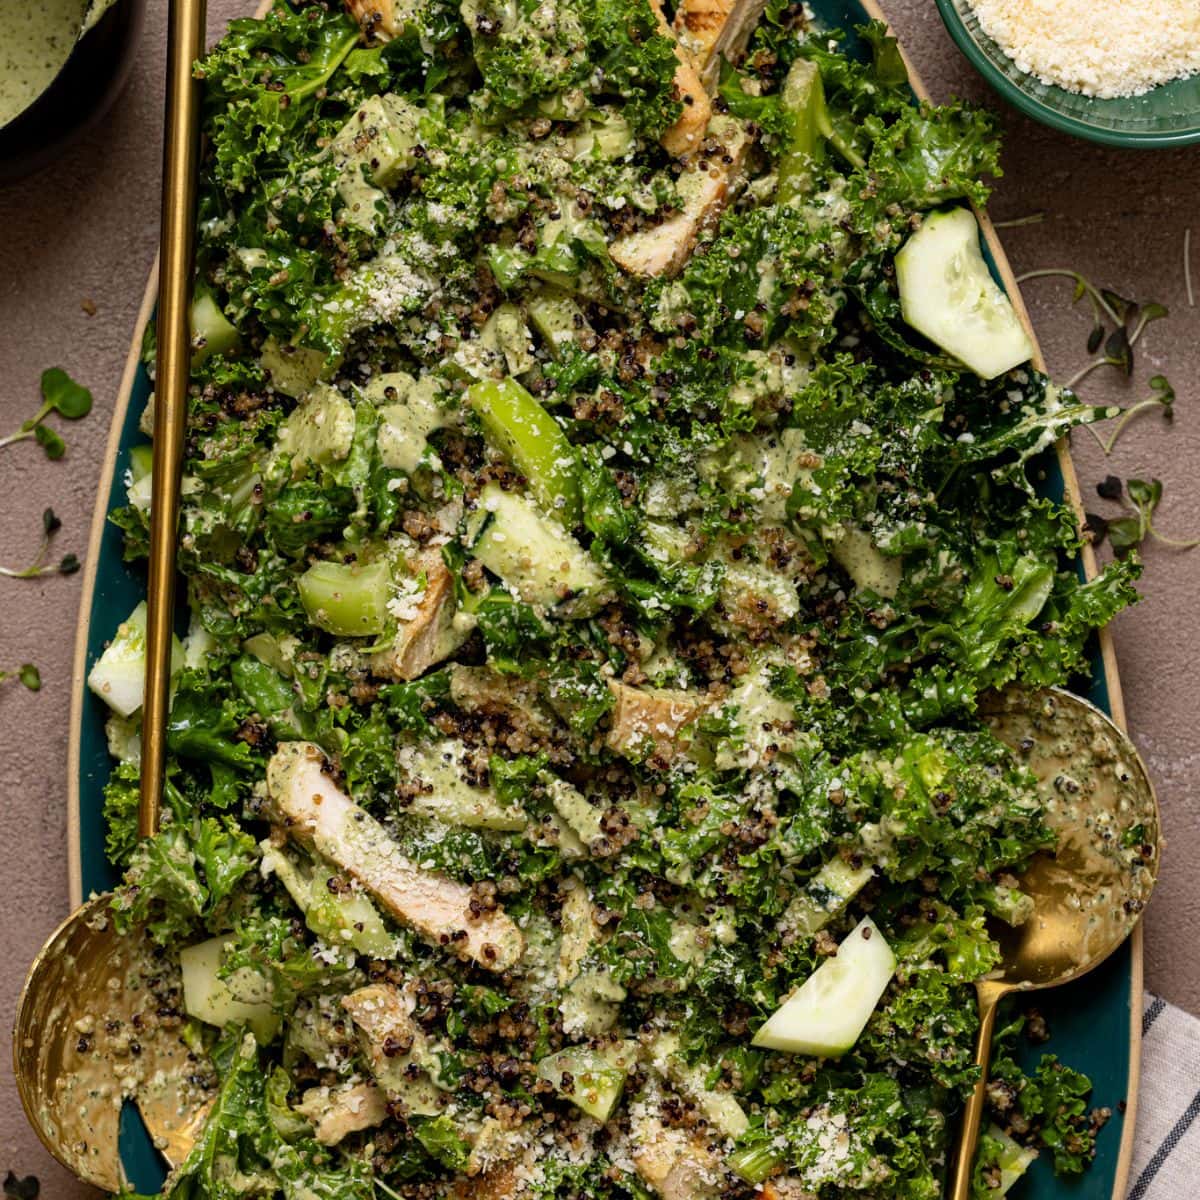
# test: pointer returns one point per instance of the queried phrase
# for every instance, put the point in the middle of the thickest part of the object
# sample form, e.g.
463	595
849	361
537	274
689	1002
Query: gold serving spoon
98	1020
1089	893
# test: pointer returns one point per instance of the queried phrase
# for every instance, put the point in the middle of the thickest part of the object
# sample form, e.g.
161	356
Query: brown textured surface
86	228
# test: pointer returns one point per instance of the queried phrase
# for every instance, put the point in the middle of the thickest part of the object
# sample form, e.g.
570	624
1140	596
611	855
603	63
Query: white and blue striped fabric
1166	1151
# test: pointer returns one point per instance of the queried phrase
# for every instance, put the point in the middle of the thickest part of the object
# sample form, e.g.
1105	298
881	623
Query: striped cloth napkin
1166	1151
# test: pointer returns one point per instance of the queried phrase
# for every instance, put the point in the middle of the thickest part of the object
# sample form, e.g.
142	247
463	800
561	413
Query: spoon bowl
98	1023
1089	892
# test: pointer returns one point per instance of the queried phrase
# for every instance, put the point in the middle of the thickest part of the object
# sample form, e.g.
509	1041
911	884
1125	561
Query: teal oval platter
1168	115
1095	1024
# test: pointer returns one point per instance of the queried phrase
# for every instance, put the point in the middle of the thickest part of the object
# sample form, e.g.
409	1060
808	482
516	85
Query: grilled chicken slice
673	1164
498	1184
430	634
705	186
650	717
314	811
376	18
394	1046
714	29
698	25
685	135
337	1112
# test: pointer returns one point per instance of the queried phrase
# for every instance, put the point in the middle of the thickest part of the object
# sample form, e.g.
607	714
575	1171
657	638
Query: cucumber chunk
824	896
119	674
408	413
320	429
948	294
294	370
451	799
585	1077
1011	1157
342	917
242	999
212	331
826	1015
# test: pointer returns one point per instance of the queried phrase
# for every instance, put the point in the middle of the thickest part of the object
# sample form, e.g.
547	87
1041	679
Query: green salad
612	480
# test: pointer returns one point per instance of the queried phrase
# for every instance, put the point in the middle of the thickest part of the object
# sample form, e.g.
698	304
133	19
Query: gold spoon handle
185	44
990	994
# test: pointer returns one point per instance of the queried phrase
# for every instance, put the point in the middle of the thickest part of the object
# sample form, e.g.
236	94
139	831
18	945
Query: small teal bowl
1168	115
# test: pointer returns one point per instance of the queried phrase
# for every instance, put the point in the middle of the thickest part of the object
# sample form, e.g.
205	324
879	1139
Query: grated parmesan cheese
1103	50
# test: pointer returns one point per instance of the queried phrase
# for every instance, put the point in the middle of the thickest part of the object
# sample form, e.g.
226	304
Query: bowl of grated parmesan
1123	74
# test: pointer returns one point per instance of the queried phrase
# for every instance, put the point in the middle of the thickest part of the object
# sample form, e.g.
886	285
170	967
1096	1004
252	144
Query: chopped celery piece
343	917
530	438
348	599
803	98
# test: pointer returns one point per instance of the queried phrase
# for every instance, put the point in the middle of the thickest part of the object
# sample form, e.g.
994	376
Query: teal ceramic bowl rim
1047	114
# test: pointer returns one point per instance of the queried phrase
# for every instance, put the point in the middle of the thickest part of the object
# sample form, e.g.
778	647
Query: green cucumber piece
242	999
212	332
825	895
451	799
826	1014
293	369
340	917
118	676
320	429
803	100
586	1078
1012	1158
948	294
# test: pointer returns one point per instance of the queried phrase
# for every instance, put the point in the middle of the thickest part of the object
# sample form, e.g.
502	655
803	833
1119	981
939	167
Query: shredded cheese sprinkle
1103	50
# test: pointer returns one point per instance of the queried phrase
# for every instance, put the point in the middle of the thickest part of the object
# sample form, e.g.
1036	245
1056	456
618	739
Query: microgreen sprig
1163	398
1128	318
60	394
16	1188
67	565
1141	500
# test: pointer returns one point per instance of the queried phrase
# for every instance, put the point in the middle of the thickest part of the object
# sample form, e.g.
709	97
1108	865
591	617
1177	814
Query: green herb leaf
50	441
21	1189
66	397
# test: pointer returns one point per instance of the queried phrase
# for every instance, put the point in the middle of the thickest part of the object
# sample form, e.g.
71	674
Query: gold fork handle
990	994
180	163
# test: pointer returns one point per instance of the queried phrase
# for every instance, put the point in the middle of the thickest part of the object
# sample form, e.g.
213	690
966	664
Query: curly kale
550	56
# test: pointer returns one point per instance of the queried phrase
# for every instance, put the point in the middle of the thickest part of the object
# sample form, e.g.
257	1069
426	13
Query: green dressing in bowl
38	40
